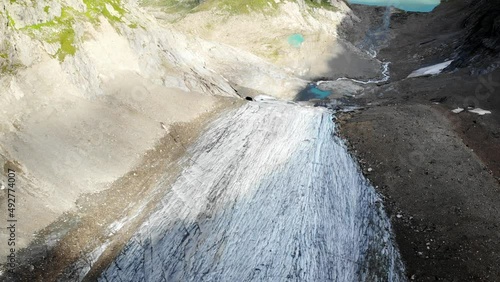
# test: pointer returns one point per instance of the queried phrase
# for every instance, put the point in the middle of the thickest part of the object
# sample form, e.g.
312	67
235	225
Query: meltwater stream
372	42
268	193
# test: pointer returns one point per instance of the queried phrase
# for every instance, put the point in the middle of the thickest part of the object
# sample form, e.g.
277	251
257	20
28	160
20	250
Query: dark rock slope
438	171
480	45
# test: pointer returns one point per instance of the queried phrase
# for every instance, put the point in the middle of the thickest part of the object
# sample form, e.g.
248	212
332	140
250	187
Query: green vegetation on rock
10	68
96	8
67	41
59	30
8	65
235	7
10	21
173	6
239	7
323	4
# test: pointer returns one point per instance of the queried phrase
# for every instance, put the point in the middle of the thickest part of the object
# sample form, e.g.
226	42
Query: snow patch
261	98
430	70
479	111
457	110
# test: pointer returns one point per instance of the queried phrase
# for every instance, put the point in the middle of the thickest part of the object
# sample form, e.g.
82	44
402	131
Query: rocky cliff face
481	41
84	89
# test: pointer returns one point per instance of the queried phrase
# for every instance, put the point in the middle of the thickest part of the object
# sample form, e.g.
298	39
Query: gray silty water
269	193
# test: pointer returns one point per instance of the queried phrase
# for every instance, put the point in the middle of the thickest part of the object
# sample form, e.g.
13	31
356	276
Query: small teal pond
296	39
312	92
407	5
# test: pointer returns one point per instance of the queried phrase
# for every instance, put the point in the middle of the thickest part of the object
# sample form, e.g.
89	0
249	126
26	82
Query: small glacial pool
407	5
312	92
296	40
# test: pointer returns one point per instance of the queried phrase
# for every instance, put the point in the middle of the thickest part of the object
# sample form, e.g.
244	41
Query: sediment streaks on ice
269	193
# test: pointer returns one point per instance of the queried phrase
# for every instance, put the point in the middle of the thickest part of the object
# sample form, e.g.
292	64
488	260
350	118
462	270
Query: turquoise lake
296	40
407	5
312	92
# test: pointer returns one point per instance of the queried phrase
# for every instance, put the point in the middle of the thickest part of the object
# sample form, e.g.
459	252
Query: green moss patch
96	8
67	40
322	4
59	30
10	68
11	21
239	6
173	6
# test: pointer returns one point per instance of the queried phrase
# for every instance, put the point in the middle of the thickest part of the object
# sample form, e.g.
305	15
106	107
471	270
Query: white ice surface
269	193
264	98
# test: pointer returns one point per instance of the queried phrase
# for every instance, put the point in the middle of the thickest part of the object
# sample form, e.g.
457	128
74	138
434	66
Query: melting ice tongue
277	197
